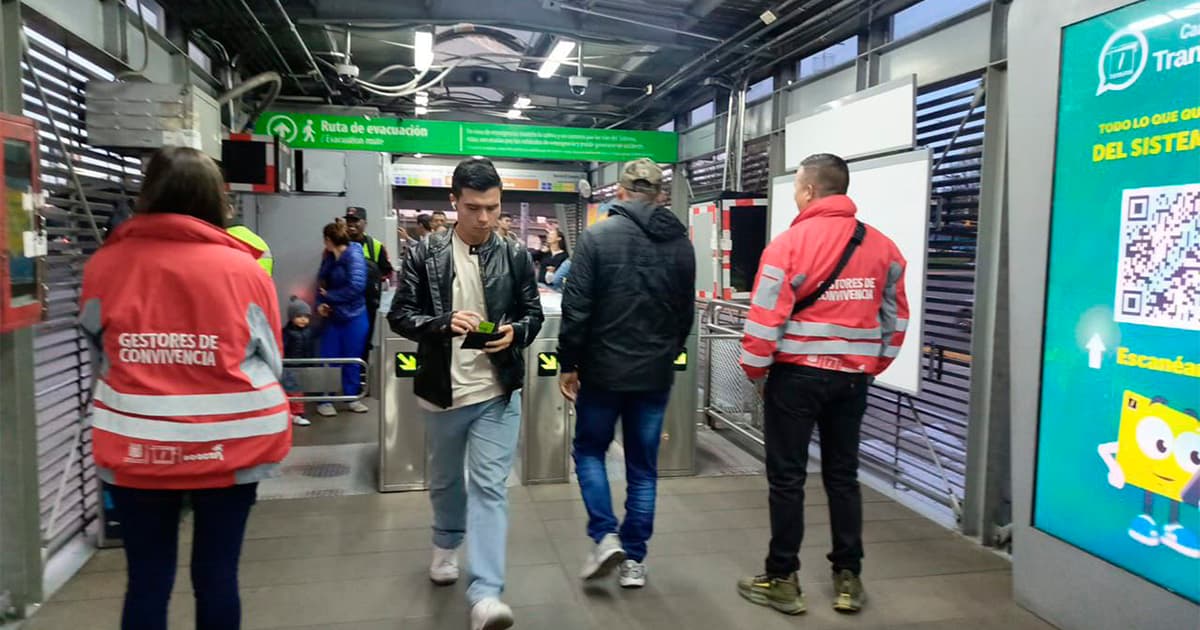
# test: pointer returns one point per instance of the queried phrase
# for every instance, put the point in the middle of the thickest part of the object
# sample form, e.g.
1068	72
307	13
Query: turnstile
403	456
547	425
547	422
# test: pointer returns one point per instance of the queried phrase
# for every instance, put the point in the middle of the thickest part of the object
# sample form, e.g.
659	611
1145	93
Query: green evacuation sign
393	135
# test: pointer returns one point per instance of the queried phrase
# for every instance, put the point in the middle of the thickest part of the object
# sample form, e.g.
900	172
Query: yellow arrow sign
406	362
548	361
681	360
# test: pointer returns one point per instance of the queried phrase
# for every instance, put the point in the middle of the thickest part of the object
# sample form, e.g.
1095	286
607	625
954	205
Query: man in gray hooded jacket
627	311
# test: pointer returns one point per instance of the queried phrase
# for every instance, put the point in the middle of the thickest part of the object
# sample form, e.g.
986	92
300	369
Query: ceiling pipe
307	53
644	24
262	31
750	32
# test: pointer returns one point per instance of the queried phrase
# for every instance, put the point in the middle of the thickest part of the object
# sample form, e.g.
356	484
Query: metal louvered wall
67	480
929	457
756	166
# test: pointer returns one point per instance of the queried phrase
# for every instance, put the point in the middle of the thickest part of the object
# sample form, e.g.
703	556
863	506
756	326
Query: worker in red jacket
185	336
827	315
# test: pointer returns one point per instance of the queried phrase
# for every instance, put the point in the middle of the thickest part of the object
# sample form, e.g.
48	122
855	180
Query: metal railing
325	375
898	440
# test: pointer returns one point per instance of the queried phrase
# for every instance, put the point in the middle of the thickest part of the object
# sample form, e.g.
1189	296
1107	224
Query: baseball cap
355	212
642	175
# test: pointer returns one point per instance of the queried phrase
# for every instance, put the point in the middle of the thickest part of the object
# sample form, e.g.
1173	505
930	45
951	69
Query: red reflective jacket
857	326
185	334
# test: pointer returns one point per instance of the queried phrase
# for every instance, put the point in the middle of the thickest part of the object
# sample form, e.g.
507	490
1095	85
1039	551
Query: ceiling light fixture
557	56
423	50
523	102
422	99
513	114
421	111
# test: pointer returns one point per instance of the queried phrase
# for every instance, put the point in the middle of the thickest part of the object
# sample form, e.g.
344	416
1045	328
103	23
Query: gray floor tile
360	563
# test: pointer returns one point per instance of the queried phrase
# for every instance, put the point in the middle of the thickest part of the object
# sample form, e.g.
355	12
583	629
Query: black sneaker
782	594
849	592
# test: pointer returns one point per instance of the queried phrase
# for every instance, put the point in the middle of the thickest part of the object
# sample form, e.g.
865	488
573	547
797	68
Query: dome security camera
347	73
579	84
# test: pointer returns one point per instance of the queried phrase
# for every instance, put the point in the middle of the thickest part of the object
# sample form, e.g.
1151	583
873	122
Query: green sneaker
782	594
850	593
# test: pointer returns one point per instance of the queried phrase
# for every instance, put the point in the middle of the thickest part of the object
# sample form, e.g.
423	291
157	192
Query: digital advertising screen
1118	461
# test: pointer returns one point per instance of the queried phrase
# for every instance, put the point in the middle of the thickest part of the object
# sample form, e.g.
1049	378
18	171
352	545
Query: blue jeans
346	340
483	435
150	531
641	415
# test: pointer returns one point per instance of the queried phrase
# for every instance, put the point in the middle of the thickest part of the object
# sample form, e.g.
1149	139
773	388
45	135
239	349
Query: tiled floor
358	563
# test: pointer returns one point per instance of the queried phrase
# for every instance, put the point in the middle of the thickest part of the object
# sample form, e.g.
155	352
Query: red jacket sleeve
893	312
770	309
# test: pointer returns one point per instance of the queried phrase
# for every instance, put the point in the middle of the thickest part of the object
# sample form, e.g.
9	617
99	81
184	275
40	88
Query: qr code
1158	279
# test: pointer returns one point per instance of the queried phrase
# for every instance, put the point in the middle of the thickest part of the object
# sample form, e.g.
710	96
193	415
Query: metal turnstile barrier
403	455
547	422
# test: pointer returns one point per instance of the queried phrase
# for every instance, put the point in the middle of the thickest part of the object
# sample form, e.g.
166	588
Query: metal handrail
710	331
331	362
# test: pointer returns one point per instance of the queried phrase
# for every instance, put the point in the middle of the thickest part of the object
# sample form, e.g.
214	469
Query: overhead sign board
1118	463
440	137
439	175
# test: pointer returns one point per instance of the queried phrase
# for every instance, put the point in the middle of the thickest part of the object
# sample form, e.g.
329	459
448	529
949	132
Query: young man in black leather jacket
451	285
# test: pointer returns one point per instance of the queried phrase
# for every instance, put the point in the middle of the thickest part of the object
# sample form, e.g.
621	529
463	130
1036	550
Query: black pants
798	398
150	529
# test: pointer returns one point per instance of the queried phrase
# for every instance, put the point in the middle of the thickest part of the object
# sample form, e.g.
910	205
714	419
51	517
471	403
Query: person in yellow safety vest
245	235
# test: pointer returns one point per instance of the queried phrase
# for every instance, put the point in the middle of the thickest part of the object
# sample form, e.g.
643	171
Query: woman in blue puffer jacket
342	301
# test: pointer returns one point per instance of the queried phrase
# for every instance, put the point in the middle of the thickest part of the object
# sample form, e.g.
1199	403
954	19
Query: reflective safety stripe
770	281
901	325
843	348
167	431
191	404
753	360
814	329
758	331
891	352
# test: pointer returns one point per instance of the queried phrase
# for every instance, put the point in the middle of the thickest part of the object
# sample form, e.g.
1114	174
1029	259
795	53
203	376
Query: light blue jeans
485	436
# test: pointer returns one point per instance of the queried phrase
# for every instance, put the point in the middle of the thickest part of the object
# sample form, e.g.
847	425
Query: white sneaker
491	614
604	558
633	574
327	410
359	406
301	421
443	571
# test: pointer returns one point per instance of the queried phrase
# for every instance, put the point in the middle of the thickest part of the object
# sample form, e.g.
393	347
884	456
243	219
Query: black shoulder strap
860	232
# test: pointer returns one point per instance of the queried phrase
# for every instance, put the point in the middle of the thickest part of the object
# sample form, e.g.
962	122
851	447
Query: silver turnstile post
546	426
677	451
403	456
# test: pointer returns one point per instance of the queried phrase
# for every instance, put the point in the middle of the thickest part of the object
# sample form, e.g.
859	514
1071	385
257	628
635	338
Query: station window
836	55
703	114
760	90
197	54
667	126
152	12
928	13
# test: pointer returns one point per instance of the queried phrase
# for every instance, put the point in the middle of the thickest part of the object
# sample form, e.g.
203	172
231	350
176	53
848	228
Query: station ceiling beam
536	15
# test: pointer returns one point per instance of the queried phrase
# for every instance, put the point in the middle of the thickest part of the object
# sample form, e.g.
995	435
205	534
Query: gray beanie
297	307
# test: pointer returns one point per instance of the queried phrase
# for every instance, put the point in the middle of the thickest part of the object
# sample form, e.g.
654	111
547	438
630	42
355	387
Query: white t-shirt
473	378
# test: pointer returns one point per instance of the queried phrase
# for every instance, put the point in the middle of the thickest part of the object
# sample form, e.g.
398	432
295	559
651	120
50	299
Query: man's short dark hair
439	213
828	173
505	215
425	221
477	174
